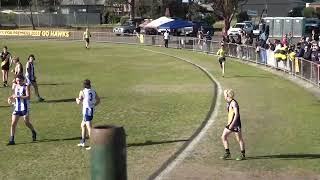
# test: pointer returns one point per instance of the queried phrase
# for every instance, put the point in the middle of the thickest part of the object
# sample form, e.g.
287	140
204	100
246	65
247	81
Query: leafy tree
243	16
226	9
309	12
131	3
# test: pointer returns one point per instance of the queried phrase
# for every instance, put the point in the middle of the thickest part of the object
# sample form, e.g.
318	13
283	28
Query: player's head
5	48
87	29
31	57
15	59
87	83
19	79
228	94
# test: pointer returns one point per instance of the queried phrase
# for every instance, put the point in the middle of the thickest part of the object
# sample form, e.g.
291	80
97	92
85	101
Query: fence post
318	75
302	69
108	153
311	69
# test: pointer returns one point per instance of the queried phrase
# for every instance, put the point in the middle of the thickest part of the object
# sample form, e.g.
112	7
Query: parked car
126	28
247	27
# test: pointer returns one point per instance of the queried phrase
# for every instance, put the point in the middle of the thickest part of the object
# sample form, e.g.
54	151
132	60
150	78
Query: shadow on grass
149	143
248	76
63	100
50	140
5	106
286	156
61	139
52	84
60	100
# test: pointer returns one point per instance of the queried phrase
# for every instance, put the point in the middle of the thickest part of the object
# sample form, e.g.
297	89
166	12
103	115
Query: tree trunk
31	18
132	9
226	26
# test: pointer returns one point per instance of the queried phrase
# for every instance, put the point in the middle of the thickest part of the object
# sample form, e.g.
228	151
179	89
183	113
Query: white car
234	30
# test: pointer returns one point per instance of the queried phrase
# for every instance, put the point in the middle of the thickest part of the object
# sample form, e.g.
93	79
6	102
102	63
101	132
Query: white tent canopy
158	22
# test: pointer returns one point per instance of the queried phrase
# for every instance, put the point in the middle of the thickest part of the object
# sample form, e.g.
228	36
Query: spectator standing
200	38
166	38
208	41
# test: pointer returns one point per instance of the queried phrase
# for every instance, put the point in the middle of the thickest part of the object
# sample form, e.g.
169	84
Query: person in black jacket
307	52
5	65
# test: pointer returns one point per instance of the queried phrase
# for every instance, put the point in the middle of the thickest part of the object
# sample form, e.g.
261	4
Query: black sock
243	152
228	151
11	138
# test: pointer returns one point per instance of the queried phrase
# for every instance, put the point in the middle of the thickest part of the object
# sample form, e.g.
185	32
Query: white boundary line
205	129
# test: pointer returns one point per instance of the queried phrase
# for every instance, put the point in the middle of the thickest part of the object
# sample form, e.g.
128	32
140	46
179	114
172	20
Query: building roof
274	7
82	2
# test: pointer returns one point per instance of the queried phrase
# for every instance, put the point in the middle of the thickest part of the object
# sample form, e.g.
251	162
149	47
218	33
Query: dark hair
20	76
31	55
5	47
87	83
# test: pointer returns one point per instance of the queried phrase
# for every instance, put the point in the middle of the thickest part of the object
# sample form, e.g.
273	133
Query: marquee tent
158	22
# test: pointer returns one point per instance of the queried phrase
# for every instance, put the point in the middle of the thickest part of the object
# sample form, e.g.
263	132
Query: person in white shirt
89	99
86	36
166	38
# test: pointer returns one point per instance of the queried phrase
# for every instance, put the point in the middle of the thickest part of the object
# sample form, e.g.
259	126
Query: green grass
280	121
156	98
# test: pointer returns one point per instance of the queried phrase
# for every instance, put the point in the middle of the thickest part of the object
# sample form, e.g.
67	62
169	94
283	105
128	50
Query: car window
238	26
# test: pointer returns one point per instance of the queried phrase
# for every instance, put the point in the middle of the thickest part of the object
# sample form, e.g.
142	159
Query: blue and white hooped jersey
21	104
30	71
88	103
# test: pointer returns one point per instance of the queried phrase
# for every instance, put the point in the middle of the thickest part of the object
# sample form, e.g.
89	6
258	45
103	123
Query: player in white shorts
20	99
89	99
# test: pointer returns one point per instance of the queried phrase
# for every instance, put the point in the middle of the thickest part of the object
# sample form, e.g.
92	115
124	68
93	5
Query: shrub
124	19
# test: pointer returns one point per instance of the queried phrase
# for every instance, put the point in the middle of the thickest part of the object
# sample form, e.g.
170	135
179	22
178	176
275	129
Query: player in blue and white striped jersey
20	100
89	99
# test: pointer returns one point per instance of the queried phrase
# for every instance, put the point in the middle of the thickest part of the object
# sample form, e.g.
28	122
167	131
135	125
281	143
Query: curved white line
203	132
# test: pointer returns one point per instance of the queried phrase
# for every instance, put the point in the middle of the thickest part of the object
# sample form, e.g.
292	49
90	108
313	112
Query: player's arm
236	114
28	68
18	68
27	96
10	60
80	98
97	99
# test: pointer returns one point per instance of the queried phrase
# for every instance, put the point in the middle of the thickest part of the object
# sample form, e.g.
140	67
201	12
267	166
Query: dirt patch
183	88
202	172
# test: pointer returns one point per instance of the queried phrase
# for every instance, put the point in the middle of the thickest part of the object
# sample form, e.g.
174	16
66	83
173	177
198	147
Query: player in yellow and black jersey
233	125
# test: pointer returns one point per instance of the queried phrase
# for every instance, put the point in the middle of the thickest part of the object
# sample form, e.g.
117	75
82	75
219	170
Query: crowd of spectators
307	47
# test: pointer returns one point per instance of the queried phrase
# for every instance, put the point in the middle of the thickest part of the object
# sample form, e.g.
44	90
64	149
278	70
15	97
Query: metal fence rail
298	67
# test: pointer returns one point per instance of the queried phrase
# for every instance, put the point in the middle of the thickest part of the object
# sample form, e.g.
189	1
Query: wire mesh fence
297	67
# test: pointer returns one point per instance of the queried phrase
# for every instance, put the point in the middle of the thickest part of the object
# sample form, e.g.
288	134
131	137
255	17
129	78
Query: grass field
160	101
157	99
280	122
